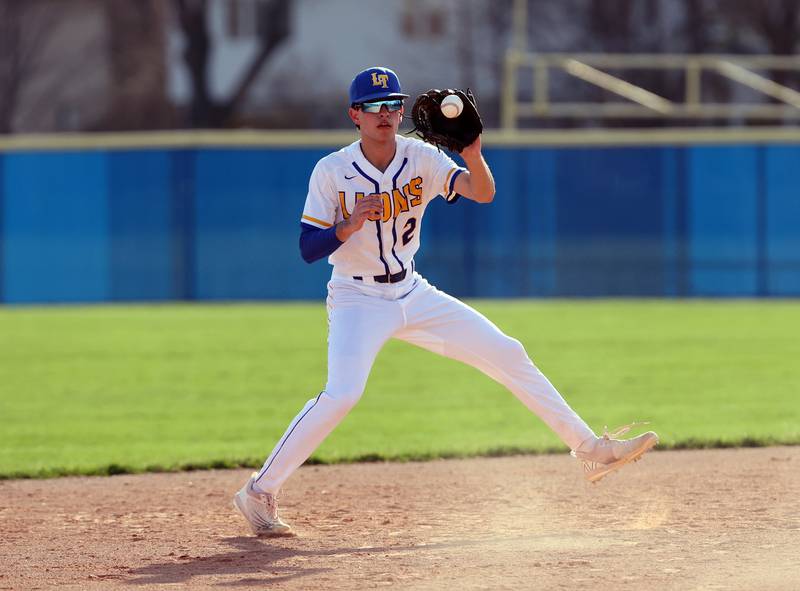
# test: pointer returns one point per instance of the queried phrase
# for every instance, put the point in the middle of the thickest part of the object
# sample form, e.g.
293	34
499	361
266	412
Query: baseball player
364	211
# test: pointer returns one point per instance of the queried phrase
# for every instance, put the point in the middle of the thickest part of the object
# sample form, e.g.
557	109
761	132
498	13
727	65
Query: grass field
111	389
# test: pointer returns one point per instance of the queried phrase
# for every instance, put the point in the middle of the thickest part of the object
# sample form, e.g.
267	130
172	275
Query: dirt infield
721	519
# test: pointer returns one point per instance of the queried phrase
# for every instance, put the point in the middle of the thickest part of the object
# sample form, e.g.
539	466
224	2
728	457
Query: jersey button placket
383	245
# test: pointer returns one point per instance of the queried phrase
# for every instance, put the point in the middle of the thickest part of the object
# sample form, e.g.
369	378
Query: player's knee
511	349
344	399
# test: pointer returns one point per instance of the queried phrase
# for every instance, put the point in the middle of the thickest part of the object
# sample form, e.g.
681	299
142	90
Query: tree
48	72
769	26
24	29
273	28
11	61
136	56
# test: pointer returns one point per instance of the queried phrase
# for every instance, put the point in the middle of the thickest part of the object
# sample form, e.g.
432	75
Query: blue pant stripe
286	438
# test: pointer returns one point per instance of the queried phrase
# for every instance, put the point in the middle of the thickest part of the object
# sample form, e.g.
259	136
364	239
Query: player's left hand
448	133
473	150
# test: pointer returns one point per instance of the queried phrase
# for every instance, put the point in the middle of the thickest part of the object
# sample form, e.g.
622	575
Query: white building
429	43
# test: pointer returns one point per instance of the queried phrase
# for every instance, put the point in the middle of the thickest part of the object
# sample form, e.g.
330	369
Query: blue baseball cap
373	84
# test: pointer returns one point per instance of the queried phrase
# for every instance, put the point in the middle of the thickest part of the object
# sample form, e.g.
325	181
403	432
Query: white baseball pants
363	316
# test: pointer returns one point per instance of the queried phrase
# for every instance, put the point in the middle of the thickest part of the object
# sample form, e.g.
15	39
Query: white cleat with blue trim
261	511
605	454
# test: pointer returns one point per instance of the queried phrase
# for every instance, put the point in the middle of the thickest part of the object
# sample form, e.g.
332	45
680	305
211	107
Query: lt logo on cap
374	83
380	80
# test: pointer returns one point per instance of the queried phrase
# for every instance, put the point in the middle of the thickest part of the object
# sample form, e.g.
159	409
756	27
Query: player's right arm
318	225
317	243
320	235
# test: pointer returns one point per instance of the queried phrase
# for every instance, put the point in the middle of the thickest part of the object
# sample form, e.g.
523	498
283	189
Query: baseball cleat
260	510
605	454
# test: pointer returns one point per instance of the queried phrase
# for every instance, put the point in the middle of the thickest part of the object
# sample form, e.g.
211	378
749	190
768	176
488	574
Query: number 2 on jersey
409	228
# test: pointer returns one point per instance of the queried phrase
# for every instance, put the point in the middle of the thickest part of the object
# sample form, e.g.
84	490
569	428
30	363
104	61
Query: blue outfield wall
223	223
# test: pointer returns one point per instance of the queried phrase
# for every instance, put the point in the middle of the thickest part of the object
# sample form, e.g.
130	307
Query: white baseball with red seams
451	106
364	312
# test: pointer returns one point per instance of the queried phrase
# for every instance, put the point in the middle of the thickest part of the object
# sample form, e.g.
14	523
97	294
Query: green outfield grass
111	389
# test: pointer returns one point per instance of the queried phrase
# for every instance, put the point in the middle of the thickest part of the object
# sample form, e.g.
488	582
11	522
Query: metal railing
640	102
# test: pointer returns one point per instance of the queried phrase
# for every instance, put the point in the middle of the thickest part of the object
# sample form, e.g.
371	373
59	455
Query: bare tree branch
193	17
67	74
136	52
274	23
10	62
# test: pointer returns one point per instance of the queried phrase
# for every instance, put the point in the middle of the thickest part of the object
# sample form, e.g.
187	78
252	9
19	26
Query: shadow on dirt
251	556
256	557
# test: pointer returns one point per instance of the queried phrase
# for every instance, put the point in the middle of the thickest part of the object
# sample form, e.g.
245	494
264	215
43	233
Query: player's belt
394	278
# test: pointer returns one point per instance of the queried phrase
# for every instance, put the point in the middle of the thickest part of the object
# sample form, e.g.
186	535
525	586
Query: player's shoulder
419	148
335	160
410	143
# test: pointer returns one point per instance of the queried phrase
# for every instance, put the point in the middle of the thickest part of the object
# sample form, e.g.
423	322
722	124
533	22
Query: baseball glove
433	127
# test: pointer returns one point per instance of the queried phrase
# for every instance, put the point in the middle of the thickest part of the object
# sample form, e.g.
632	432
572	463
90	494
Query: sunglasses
375	106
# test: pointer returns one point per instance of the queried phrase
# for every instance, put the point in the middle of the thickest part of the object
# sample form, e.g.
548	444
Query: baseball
451	106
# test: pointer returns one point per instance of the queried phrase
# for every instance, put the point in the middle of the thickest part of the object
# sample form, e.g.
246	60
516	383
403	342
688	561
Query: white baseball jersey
418	173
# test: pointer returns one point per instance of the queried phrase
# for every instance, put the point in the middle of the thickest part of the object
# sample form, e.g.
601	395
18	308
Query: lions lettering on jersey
399	201
387	243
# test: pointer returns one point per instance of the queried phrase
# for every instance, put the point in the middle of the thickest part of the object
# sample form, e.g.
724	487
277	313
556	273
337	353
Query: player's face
380	125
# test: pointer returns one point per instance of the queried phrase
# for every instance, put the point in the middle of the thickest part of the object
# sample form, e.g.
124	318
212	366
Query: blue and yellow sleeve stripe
315	221
450	182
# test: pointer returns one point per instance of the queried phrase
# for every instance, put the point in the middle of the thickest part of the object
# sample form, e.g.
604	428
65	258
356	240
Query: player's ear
355	116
